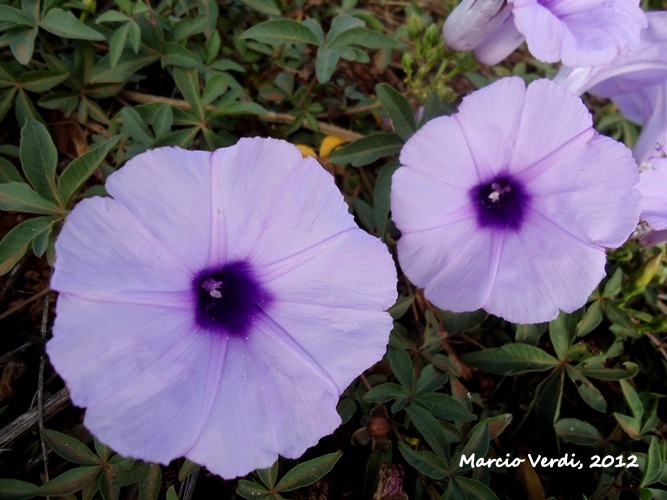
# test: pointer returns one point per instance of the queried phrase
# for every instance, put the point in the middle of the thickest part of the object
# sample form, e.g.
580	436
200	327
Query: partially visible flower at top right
653	187
576	33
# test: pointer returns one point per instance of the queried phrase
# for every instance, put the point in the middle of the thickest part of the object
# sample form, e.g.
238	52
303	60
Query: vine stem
270	116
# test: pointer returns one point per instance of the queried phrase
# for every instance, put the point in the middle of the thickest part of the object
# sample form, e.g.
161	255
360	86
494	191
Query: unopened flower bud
473	21
415	26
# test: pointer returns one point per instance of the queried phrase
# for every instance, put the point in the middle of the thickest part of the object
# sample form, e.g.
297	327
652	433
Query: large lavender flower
508	204
217	305
578	33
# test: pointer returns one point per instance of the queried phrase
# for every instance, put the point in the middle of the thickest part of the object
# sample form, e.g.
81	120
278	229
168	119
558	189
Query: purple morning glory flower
578	33
653	187
217	305
508	204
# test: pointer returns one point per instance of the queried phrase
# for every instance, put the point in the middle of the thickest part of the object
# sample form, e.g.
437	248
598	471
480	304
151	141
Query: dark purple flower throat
229	298
501	203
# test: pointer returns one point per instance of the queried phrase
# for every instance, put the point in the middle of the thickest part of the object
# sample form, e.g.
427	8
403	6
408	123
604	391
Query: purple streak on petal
491	124
229	299
504	40
162	190
500	203
653	187
654	238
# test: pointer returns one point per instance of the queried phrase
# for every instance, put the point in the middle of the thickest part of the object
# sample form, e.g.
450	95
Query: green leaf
187	82
162	121
429	427
64	24
15	16
400	111
150	482
591	319
278	31
237	108
6	101
367	149
308	472
559	332
177	55
381	198
78	172
631	396
128	65
20	197
267	7
430	379
401	367
16	242
327	60
655	494
445	407
530	334
549	395
613	286
654	464
70	448
70	481
573	430
111	16
187	468
39	159
13	489
8	172
426	462
631	425
251	490
402	305
471	488
23	45
41	81
385	392
134	126
171	493
477	444
511	359
366	38
630	370
588	392
269	476
117	44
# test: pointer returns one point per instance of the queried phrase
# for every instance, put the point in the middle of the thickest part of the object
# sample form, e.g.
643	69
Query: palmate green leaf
530	334
632	398
430	379
13	489
111	16
573	430
470	488
629	371
477	444
8	172
64	24
560	334
16	242
70	481
16	16
176	55
134	126
655	461
367	149
631	425
251	490
19	197
400	111
23	44
401	367
340	24
426	462
41	81
445	407
279	31
269	476
239	108
25	109
367	38
70	448
117	44
307	473
591	320
187	81
6	101
128	65
588	392
187	468
385	392
381	198
267	7
429	427
39	159
549	395
327	60
511	359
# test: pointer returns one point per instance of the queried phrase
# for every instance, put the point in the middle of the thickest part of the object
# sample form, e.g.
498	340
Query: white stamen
215	294
494	196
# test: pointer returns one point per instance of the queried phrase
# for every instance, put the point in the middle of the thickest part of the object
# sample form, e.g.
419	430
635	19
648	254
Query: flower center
500	203
229	298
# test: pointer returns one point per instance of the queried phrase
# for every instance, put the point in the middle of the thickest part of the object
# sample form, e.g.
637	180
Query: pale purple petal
653	187
105	251
654	238
504	40
581	32
163	189
271	399
492	121
552	117
472	21
630	71
541	269
579	187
